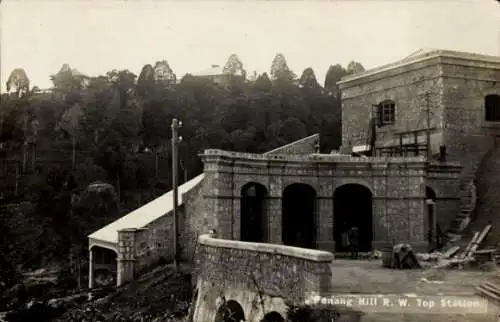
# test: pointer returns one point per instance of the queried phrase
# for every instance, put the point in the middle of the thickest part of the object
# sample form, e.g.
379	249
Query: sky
98	36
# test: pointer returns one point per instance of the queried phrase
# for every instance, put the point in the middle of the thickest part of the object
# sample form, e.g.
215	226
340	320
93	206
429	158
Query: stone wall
444	180
457	84
397	186
303	146
468	137
260	277
126	260
198	217
405	86
154	243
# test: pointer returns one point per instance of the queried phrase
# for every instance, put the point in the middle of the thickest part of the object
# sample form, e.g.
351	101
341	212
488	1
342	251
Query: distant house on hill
217	75
68	76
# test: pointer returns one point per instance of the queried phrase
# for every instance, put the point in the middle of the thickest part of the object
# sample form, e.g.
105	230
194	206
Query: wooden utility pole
175	167
373	129
428	129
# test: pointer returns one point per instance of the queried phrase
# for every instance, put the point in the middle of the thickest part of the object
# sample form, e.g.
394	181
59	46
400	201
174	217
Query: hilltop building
420	145
68	75
217	75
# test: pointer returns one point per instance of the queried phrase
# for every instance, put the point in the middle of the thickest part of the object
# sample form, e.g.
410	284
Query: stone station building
309	200
381	180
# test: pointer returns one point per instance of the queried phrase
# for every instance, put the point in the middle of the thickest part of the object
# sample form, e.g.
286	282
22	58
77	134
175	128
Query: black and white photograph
249	161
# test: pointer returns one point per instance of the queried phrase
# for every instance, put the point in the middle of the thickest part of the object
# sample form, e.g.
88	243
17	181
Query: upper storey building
454	94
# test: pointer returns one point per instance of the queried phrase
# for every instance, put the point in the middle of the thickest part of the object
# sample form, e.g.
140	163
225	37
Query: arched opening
273	317
105	266
353	208
298	216
253	213
492	108
231	311
432	233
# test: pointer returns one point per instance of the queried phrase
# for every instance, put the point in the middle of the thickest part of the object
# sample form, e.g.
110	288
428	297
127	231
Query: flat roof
419	56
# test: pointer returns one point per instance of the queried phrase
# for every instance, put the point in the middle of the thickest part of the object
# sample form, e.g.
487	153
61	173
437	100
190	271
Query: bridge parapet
273	276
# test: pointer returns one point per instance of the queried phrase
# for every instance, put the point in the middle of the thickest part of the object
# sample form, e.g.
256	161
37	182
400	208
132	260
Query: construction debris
489	291
452	258
401	257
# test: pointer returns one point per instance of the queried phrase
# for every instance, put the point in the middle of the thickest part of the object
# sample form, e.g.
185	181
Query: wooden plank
450	252
485	251
469	245
479	240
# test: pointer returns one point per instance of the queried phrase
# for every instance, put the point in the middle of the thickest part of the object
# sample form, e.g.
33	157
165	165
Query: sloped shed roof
146	214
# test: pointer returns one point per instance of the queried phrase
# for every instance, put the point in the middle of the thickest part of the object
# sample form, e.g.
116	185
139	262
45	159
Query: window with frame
492	108
386	113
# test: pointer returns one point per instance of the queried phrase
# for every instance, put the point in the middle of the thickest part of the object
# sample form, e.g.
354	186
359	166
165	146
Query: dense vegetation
116	129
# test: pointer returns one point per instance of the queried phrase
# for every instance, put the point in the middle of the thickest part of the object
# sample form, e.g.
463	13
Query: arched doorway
253	213
298	216
353	208
273	317
231	311
430	201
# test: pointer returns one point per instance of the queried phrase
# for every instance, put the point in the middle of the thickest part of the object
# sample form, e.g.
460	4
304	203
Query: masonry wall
405	86
468	136
198	216
444	180
154	243
397	186
260	277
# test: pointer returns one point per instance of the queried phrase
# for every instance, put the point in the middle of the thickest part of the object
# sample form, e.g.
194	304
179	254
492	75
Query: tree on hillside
70	124
163	73
234	66
263	83
145	81
18	81
308	79
333	75
123	82
280	70
101	105
354	67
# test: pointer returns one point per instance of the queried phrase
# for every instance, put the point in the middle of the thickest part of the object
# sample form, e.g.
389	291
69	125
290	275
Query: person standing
354	242
345	240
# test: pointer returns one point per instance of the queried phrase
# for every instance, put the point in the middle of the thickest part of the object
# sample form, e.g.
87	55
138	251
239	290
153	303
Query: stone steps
488	187
461	221
469	192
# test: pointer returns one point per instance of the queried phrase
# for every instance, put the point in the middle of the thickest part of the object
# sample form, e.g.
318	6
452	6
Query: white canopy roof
146	214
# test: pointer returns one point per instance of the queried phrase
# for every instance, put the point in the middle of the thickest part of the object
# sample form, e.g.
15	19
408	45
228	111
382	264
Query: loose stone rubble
450	257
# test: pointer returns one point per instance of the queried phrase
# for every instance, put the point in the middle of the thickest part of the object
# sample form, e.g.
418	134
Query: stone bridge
256	280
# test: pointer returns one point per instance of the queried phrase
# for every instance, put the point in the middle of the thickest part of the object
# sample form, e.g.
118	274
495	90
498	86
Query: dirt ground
369	277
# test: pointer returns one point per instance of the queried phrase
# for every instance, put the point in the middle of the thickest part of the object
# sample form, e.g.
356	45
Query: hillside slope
159	295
